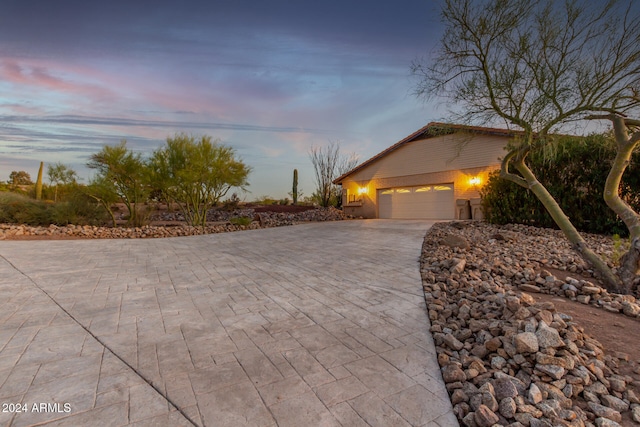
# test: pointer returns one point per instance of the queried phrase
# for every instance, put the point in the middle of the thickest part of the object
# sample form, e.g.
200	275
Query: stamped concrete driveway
319	324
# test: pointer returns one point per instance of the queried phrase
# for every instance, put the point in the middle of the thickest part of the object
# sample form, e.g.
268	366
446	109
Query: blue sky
270	79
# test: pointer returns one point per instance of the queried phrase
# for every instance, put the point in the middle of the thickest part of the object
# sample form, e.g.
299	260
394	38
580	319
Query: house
431	174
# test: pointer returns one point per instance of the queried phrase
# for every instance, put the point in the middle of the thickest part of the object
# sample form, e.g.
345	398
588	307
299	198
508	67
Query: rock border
259	220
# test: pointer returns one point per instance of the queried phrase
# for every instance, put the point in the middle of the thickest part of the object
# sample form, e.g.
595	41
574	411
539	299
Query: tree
538	66
329	164
196	174
59	173
20	178
103	191
125	173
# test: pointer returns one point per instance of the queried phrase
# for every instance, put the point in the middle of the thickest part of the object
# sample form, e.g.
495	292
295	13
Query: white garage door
422	202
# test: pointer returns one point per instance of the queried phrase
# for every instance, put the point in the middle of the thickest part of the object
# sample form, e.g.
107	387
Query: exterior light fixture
362	190
474	181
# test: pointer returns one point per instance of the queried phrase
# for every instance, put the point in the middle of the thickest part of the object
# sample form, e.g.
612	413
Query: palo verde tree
103	191
60	174
539	66
125	173
196	174
329	163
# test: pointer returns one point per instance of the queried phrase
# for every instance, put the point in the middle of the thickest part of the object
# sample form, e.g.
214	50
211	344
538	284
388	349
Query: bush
79	209
575	175
240	220
20	209
232	203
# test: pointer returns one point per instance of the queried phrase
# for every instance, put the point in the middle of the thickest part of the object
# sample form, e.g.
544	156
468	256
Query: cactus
294	192
39	182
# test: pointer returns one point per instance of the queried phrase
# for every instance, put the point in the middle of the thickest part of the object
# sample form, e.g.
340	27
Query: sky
269	78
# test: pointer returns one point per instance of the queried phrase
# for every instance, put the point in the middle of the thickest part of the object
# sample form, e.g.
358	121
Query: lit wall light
475	181
362	190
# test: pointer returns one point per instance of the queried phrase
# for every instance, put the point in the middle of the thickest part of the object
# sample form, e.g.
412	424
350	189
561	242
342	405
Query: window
423	189
387	192
442	187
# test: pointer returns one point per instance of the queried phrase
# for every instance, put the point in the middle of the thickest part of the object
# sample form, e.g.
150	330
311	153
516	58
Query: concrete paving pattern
321	324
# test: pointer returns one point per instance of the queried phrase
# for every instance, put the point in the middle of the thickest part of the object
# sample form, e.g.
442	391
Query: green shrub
232	203
240	220
575	175
20	209
78	209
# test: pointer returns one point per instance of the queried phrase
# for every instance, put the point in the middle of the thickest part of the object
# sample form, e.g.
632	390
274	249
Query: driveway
316	324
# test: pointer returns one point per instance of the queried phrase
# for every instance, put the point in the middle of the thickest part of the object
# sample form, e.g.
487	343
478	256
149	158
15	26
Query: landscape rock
219	219
526	342
485	417
455	241
505	354
548	337
452	373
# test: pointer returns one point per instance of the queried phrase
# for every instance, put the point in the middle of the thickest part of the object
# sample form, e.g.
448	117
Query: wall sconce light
475	181
362	190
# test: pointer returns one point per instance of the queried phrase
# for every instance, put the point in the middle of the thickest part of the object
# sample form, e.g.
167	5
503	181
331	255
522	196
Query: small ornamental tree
125	173
539	66
60	174
103	191
196	174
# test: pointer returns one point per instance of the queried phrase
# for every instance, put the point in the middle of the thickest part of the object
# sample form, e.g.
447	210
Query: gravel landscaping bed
507	359
219	220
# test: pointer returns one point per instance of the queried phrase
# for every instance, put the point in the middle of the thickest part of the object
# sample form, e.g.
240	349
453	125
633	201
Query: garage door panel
420	202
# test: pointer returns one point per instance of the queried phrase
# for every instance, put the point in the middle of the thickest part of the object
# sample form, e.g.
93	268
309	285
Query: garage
418	202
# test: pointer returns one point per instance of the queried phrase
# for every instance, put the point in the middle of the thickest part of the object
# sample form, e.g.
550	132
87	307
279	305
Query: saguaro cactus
39	182
294	191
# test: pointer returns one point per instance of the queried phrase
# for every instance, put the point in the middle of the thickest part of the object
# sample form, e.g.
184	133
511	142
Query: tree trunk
630	266
611	282
625	145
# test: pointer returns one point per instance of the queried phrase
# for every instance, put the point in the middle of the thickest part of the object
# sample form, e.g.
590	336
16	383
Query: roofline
441	128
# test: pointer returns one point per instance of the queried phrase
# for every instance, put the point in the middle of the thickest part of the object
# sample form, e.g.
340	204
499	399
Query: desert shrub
20	209
265	200
575	175
232	203
240	220
78	209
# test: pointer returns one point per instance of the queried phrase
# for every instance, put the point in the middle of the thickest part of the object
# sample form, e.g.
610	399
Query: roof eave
420	132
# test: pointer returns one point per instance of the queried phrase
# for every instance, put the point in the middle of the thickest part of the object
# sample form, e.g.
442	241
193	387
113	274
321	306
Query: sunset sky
269	78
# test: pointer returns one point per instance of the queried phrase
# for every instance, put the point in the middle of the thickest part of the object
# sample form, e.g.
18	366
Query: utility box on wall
463	209
477	212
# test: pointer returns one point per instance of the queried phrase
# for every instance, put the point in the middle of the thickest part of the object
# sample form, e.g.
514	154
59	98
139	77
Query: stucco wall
438	160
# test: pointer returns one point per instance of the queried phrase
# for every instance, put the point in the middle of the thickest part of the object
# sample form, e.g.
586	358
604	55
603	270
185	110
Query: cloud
114	121
34	77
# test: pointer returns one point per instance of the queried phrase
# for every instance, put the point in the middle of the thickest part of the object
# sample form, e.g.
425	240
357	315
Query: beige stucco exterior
455	158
